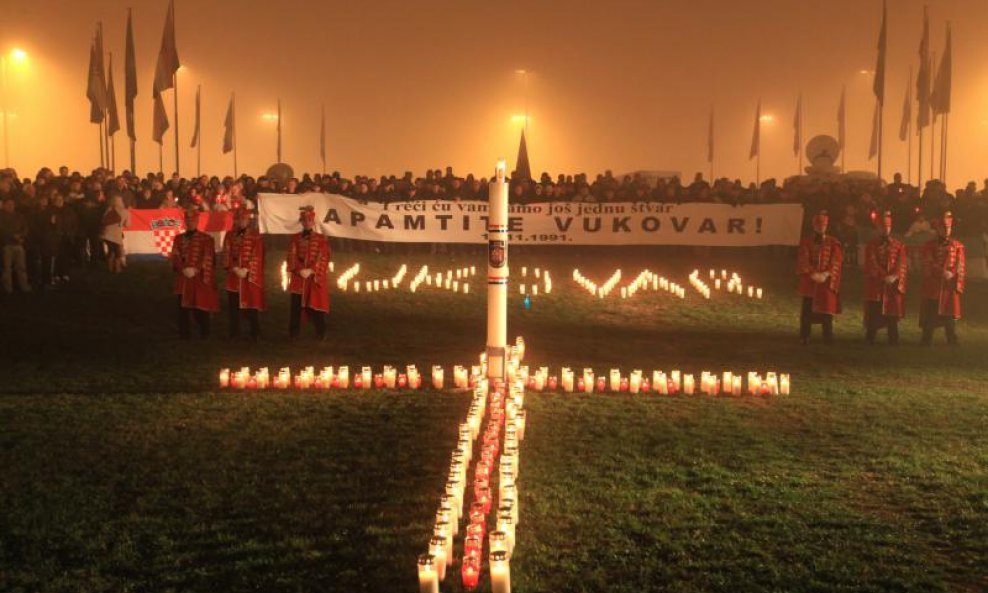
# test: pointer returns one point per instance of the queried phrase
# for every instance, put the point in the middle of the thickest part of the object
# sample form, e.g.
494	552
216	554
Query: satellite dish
281	172
822	150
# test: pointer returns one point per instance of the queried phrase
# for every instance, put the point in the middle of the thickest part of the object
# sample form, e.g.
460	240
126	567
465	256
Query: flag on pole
879	83
101	94
710	138
130	79
168	63
842	118
195	131
113	118
92	88
230	126
756	135
160	119
923	77
907	109
940	97
797	124
873	149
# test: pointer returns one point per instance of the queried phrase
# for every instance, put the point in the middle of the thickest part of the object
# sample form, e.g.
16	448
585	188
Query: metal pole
175	84
5	106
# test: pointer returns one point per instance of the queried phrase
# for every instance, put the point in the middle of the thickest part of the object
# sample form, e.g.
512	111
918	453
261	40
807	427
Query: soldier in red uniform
943	282
243	258
819	268
885	270
193	260
308	264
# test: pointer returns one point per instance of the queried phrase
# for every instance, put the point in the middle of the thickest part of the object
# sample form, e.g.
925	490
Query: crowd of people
61	221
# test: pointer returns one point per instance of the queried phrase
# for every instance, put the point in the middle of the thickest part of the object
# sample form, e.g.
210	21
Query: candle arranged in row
328	378
649	280
502	406
598	291
453	280
534	288
346	276
733	284
660	382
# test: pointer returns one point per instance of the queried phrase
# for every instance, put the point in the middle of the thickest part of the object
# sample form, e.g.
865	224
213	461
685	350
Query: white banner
547	223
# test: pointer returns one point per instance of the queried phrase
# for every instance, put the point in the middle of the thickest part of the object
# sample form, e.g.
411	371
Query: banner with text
548	223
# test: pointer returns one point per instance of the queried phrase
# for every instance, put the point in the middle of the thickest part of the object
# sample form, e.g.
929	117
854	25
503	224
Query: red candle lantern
335	383
671	387
358	382
252	383
646	386
378	381
402	381
581	386
531	383
470	573
553	383
623	385
601	384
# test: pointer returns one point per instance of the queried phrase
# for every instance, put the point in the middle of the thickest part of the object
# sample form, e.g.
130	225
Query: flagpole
175	99
113	153
943	147
133	157
279	130
99	132
198	132
933	133
919	164
235	176
909	150
881	114
161	158
322	146
106	130
102	149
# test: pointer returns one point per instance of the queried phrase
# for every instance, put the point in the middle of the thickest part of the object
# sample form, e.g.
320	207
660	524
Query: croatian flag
152	232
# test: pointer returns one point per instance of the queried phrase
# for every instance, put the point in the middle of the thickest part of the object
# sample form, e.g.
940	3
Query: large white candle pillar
497	274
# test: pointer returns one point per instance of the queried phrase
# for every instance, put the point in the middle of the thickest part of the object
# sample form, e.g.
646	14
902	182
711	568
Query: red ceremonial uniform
245	249
885	257
196	250
939	256
310	251
816	256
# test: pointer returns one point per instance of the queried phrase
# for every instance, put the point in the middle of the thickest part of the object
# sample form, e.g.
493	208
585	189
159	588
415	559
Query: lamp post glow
16	56
497	275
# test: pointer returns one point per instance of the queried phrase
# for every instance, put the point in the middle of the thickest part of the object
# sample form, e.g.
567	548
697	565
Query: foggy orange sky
409	85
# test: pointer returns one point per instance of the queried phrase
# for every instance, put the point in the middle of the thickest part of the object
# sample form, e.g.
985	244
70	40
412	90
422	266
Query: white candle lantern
428	574
500	572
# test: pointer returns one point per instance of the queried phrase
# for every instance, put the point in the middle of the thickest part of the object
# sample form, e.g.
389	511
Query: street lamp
15	56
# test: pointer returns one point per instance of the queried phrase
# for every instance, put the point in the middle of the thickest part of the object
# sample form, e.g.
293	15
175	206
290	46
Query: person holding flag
943	264
885	269
243	259
308	264
819	262
193	259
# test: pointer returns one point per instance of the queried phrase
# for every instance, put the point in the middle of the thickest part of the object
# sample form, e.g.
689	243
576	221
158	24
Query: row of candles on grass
502	434
661	383
284	274
646	280
453	280
590	286
339	378
732	284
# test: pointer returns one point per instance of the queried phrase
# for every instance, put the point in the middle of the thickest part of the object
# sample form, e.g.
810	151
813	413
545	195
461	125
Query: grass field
124	469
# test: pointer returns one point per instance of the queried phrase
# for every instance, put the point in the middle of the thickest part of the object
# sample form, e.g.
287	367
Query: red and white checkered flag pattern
164	239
